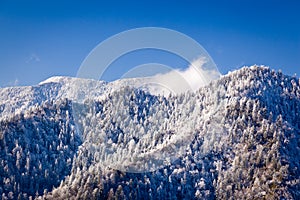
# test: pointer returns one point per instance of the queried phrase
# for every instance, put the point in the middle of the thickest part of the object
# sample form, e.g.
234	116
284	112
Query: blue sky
40	39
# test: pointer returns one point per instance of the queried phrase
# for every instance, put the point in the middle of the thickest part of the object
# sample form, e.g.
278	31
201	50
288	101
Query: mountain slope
235	138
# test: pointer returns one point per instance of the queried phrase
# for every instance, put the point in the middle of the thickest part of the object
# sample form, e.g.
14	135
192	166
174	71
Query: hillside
69	138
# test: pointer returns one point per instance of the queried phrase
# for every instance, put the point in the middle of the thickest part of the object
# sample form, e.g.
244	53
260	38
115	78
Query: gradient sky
40	39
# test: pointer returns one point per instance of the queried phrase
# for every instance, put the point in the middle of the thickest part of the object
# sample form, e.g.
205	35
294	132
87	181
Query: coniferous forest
236	138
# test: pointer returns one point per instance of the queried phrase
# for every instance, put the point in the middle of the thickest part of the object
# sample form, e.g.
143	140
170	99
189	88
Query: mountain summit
70	138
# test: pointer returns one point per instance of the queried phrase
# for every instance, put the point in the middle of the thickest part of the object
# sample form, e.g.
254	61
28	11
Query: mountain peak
55	79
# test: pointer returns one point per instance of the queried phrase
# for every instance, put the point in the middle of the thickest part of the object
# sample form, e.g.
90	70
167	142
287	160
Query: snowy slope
19	99
15	100
236	138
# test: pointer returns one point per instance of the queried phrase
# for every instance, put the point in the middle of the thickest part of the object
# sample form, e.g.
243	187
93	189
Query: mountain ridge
244	141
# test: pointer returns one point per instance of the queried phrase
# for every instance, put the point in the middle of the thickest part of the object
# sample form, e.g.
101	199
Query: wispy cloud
13	83
33	58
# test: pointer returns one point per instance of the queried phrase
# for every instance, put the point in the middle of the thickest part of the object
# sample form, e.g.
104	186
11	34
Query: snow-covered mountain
70	138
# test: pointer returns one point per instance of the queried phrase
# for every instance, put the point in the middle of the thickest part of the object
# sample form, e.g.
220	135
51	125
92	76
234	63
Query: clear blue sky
40	39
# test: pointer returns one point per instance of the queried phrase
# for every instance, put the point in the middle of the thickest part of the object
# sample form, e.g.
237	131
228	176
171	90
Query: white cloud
179	81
